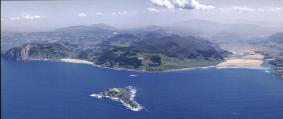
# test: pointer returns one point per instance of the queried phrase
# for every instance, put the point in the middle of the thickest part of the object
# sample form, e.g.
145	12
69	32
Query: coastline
79	61
168	70
246	63
242	63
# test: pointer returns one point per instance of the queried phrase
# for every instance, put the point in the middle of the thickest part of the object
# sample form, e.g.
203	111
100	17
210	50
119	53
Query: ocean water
54	90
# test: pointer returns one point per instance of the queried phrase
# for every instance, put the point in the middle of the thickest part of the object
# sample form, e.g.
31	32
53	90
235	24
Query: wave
133	91
267	71
96	95
133	75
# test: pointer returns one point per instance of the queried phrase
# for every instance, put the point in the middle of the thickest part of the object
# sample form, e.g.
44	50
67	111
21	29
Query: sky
48	15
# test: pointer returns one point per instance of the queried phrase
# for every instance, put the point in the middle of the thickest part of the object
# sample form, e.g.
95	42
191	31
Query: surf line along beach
71	60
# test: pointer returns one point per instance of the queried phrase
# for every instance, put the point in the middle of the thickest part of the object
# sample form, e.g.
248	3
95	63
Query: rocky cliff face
32	51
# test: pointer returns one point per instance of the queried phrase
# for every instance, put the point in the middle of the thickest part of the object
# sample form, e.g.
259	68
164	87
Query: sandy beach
70	60
245	58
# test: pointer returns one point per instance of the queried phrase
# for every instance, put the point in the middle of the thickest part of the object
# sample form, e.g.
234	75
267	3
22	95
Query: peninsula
145	51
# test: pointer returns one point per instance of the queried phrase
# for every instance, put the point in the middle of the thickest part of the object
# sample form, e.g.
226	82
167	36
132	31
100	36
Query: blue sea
55	90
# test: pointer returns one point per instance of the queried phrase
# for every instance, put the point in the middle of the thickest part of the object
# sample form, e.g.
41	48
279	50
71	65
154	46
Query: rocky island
123	95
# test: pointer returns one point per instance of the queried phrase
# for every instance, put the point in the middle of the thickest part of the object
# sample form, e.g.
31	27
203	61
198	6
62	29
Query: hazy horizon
48	15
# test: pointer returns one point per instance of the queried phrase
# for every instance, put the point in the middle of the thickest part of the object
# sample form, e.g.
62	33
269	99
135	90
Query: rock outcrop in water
123	95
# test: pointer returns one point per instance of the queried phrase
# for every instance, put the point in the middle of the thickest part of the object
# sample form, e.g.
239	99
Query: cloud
277	9
98	13
30	17
249	9
243	9
152	10
120	13
25	17
182	4
82	14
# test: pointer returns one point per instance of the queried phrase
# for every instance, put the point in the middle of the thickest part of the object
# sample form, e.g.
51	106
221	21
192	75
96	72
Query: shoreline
168	70
78	61
244	58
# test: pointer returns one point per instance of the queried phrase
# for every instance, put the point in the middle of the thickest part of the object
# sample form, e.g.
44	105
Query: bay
55	90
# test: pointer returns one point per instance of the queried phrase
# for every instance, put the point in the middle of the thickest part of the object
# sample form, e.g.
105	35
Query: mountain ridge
130	51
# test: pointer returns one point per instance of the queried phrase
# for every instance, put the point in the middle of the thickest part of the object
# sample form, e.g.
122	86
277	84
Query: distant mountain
96	33
84	35
130	51
121	40
197	27
215	31
148	32
276	38
86	30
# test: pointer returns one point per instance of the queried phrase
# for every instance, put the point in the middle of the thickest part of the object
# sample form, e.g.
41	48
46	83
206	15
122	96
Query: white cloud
82	14
163	3
277	9
30	17
243	9
25	17
152	10
249	9
98	13
183	4
195	4
120	13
